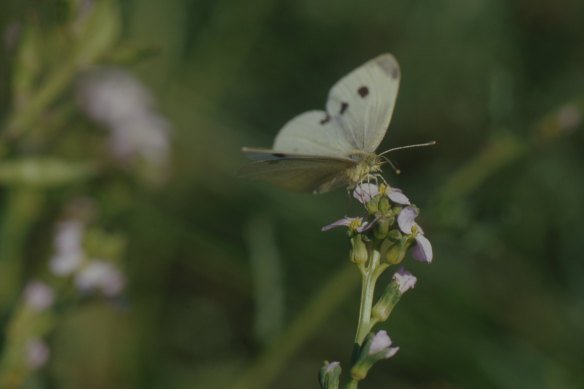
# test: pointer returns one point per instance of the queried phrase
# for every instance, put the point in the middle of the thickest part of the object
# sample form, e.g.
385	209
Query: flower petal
405	219
404	280
346	221
379	342
365	192
38	295
397	196
332	365
37	353
391	352
367	226
422	251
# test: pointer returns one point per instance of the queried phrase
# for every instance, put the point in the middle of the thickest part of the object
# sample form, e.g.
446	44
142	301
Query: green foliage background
232	284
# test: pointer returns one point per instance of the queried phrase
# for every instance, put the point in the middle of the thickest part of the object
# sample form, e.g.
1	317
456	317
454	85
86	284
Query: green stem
24	118
20	212
351	384
367	291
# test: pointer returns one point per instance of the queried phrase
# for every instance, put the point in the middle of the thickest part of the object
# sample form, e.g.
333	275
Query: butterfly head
369	164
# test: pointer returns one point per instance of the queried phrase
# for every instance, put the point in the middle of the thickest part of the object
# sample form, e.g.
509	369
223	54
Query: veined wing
263	154
362	102
310	175
313	133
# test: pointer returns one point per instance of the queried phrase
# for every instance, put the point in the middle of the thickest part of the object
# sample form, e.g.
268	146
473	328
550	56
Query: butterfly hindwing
298	174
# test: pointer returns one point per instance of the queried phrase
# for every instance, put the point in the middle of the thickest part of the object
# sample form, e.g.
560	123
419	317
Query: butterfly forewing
312	133
362	102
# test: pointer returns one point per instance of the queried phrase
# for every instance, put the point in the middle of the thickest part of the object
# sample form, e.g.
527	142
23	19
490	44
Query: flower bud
373	205
375	348
396	210
359	253
386	302
385	246
381	228
394	234
329	375
384	204
397	252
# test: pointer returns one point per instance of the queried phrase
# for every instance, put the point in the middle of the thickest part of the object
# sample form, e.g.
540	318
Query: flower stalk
379	239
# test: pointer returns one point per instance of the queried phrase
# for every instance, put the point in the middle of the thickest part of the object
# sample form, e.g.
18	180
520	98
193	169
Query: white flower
37	353
354	224
114	97
100	275
331	366
404	280
365	192
423	249
38	295
381	342
144	135
68	246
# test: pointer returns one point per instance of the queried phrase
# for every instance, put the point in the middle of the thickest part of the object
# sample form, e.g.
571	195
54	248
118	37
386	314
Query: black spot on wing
363	91
395	73
344	107
326	119
389	65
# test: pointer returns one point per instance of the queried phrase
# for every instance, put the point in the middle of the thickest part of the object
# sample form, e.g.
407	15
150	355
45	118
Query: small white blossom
331	366
114	97
406	221
354	223
38	295
37	353
365	192
380	342
404	280
100	275
68	246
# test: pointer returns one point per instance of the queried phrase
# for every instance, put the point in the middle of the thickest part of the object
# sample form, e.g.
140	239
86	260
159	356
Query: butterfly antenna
409	147
388	161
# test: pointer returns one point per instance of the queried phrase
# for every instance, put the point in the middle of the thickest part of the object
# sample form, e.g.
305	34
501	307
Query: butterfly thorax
369	163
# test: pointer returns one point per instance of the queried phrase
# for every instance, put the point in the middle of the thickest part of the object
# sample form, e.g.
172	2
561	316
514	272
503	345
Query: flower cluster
115	98
70	259
75	263
390	219
379	238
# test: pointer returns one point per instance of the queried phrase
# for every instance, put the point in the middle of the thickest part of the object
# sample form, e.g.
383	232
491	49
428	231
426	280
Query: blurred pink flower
38	295
114	97
37	353
100	275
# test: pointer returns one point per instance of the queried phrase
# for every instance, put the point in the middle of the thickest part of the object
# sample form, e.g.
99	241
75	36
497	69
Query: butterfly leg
348	201
379	176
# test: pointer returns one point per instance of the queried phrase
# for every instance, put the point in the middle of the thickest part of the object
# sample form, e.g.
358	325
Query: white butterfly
318	151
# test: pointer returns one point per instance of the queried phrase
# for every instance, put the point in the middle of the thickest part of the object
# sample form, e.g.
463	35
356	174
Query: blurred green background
231	284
